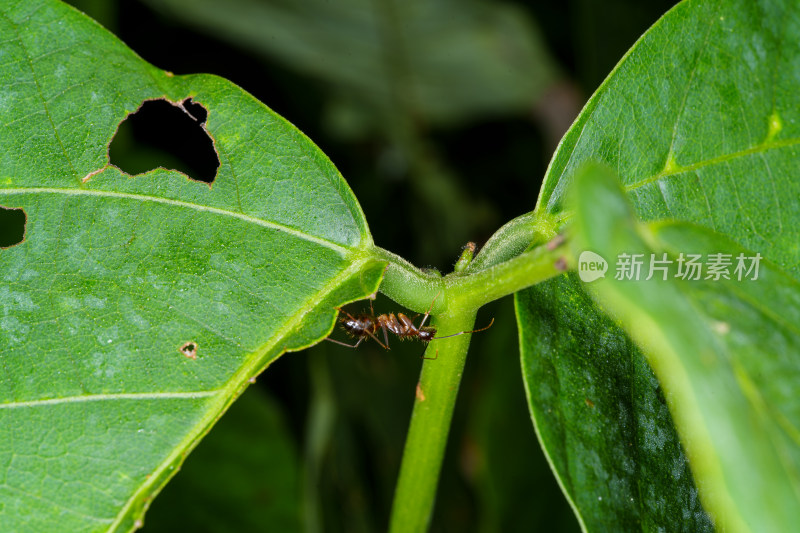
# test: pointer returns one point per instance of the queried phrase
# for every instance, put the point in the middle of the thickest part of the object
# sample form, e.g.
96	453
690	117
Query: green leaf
699	121
245	476
117	273
601	416
722	354
711	136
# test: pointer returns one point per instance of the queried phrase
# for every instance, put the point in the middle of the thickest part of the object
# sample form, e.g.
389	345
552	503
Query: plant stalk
430	424
416	289
455	300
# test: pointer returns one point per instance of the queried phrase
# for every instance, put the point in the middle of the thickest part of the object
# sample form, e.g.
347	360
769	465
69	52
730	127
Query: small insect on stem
366	325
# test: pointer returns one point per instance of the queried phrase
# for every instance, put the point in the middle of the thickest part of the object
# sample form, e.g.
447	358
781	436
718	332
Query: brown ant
366	325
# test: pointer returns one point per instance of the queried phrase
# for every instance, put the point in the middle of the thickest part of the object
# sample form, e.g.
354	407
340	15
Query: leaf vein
343	251
111	397
759	149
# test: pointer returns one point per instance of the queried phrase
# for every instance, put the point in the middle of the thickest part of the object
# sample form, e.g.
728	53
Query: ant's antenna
463	332
453	335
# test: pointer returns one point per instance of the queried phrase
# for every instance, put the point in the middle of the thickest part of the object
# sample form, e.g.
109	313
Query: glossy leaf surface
699	122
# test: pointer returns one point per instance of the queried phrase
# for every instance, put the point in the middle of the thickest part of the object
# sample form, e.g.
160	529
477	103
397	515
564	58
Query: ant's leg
383	327
359	341
422	355
340	310
385	346
428	312
344	343
351	317
385	336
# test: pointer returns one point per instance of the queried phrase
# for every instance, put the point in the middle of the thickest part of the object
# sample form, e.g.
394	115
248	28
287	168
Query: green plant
139	307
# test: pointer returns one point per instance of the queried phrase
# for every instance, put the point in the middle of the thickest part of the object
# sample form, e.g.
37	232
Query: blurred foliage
442	116
433	61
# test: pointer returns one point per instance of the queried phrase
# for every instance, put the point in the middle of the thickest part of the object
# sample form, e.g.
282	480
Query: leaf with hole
138	307
700	123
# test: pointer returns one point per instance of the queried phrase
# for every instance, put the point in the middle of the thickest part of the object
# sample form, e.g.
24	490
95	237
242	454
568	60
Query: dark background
428	181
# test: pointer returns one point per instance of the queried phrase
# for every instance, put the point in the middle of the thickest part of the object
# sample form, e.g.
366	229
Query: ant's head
427	333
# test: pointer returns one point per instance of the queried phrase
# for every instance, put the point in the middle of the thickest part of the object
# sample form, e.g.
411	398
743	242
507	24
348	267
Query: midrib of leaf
341	250
224	396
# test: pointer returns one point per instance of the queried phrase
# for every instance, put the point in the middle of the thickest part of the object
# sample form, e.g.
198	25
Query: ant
366	325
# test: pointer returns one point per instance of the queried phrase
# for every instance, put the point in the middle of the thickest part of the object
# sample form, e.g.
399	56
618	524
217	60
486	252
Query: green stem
430	425
457	299
409	286
508	277
412	288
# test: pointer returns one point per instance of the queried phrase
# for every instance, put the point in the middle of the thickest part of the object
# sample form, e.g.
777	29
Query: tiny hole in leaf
161	134
189	349
12	226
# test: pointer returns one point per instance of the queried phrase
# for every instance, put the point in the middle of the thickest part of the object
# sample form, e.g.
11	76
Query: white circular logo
591	266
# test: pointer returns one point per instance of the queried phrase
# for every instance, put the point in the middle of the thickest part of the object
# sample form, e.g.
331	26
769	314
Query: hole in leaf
189	349
12	226
161	134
